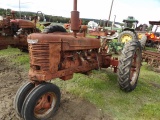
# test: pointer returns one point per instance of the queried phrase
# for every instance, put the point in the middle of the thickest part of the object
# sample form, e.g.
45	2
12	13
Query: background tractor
60	55
131	31
153	34
153	40
14	31
128	31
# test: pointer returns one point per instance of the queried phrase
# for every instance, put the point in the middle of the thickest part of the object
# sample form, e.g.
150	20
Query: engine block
59	56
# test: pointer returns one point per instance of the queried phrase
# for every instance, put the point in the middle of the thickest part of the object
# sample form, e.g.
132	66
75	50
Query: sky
142	10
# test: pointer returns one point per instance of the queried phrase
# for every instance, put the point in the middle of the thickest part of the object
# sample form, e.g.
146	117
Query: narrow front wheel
42	102
21	95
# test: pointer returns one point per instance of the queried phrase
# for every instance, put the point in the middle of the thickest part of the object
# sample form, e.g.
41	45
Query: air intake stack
75	22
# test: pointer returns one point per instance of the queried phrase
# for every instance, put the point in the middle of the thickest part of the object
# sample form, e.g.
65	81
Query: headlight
30	41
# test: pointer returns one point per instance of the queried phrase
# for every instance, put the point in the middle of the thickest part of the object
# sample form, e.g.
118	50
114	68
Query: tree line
49	18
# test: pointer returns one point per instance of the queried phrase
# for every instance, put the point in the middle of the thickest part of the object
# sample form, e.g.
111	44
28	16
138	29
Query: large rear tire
143	41
54	28
129	65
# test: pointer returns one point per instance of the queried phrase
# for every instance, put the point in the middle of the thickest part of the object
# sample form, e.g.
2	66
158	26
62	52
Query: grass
151	49
102	90
9	52
15	57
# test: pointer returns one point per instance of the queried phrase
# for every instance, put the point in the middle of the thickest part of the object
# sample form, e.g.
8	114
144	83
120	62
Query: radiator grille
39	56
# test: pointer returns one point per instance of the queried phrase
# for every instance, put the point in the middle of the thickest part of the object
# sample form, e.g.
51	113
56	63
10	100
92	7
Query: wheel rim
125	38
45	105
135	67
139	36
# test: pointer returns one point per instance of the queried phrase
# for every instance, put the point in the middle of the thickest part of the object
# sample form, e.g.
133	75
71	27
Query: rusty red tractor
14	31
60	55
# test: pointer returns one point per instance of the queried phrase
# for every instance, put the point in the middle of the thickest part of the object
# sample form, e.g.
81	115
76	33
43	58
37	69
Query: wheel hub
126	38
45	104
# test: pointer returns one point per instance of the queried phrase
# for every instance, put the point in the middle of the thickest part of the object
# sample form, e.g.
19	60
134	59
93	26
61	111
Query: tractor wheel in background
143	41
23	49
21	95
42	102
21	42
126	36
13	46
54	28
158	48
149	43
129	65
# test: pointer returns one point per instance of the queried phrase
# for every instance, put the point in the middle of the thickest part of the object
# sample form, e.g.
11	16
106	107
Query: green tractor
128	31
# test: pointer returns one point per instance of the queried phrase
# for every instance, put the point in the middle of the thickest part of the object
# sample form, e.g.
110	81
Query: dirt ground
71	108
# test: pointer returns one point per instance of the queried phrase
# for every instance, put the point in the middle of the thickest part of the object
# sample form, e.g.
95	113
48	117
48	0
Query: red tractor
14	31
60	55
153	40
153	36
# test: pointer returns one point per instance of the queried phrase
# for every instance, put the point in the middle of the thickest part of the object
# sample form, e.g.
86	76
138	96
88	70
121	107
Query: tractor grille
39	56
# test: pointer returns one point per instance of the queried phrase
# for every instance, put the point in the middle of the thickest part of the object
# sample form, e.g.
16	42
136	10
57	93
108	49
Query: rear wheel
129	65
149	43
23	49
54	28
21	38
42	102
126	36
143	41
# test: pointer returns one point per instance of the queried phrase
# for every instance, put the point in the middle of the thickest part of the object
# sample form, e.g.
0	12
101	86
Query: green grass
151	49
15	57
102	90
9	52
90	36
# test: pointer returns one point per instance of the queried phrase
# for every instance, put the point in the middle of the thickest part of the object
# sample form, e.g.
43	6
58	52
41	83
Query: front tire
129	65
42	102
21	95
